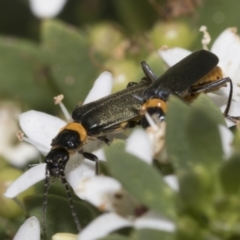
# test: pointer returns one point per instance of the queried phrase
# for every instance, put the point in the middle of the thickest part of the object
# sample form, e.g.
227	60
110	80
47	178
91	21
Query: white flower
109	222
227	48
46	8
107	195
41	128
29	230
102	226
120	208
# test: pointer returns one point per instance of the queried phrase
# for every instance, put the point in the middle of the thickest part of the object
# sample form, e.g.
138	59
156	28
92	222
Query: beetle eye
69	139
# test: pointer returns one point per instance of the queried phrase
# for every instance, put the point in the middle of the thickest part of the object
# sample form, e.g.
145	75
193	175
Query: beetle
95	120
196	73
91	121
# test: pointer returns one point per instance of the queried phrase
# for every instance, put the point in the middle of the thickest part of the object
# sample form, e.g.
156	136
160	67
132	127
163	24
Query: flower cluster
121	209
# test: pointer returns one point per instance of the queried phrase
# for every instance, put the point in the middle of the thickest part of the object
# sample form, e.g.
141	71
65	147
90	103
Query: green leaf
213	112
192	134
236	140
203	135
230	177
152	234
176	144
195	148
67	52
23	74
196	191
141	180
59	217
189	228
199	183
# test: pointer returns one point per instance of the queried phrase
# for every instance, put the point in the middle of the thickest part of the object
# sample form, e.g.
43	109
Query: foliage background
52	55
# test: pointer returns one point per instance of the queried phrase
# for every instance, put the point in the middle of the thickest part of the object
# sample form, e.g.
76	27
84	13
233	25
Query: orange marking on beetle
77	127
152	103
213	75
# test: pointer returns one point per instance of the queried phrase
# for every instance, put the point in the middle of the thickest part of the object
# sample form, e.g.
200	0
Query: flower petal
98	190
46	8
94	147
101	88
20	154
218	100
154	221
100	154
139	145
40	127
227	139
26	180
79	168
172	181
102	226
79	171
227	48
173	55
29	230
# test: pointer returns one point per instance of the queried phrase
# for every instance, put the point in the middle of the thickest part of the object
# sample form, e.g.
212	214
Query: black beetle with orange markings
196	73
91	121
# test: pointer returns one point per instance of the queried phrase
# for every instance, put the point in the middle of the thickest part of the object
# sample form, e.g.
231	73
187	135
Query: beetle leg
216	84
91	157
105	139
148	72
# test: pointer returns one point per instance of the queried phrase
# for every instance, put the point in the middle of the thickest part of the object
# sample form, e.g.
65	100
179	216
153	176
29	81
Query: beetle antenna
148	71
44	206
73	210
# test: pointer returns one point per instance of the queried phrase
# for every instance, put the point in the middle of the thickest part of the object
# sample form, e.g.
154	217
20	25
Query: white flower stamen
151	122
58	100
206	37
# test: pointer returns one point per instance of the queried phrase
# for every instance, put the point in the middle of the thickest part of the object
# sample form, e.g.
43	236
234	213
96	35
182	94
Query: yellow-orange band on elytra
152	103
77	127
212	76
